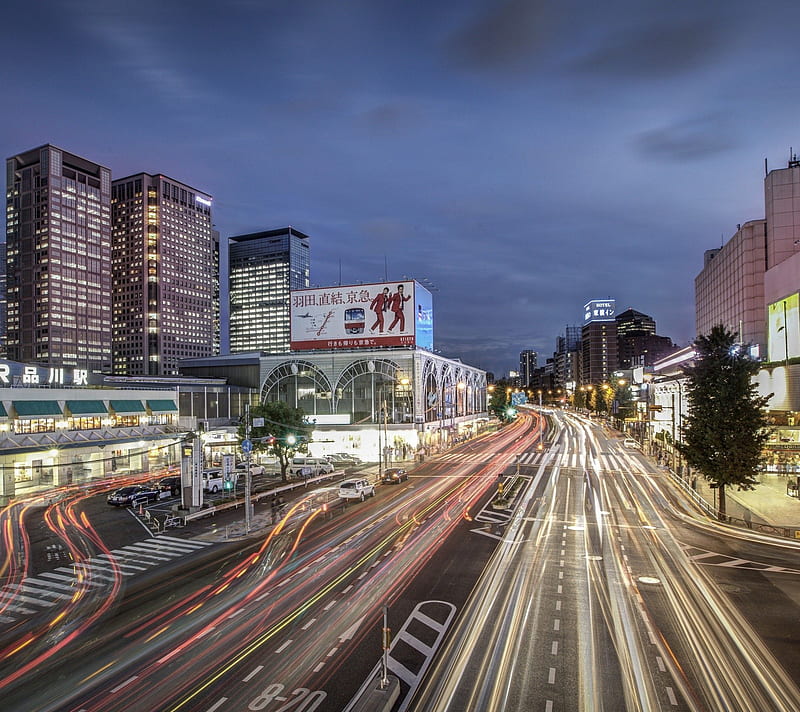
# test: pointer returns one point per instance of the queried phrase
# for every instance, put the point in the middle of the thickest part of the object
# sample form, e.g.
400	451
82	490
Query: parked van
212	481
356	489
310	466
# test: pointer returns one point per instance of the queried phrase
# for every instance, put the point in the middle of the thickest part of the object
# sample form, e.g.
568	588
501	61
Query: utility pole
247	470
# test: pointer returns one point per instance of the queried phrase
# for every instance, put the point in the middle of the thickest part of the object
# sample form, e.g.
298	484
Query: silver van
310	466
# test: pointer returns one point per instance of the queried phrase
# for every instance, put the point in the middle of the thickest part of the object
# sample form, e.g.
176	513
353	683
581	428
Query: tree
726	428
500	402
284	433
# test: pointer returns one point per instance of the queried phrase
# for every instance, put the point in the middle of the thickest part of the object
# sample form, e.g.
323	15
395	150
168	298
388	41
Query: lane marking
284	646
309	624
551	676
554	648
255	672
557	624
124	684
217	704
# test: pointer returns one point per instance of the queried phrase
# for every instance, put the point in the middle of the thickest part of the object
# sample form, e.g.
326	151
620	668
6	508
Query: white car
356	489
630	443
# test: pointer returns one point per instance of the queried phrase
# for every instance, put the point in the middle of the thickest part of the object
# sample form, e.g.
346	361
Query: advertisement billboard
361	316
783	337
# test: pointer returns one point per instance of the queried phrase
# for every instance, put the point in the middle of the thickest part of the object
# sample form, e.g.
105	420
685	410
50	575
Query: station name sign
14	374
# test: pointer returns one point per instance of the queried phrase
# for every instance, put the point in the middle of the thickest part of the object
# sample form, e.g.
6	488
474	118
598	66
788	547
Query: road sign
247	445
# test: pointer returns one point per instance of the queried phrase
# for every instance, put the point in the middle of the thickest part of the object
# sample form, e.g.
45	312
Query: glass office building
263	268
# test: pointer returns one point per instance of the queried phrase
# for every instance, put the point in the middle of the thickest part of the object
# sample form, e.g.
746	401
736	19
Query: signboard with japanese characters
362	316
14	374
599	310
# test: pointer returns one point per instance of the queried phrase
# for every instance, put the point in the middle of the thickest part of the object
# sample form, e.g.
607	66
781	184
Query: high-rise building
637	341
164	277
3	352
527	364
730	288
631	321
263	268
58	229
598	341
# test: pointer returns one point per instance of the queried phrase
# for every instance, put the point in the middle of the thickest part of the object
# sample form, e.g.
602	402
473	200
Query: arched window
300	384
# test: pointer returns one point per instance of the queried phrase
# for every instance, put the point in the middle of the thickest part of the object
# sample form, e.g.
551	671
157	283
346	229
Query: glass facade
58	224
263	268
165	275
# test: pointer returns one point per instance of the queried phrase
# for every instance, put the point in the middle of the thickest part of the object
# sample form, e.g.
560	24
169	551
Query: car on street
356	489
133	495
630	443
394	475
171	485
345	457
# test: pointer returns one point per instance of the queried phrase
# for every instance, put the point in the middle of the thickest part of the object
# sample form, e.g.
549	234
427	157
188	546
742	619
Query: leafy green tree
726	428
626	408
500	401
284	433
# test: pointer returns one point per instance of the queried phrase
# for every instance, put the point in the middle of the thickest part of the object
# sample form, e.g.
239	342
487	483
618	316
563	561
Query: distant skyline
522	157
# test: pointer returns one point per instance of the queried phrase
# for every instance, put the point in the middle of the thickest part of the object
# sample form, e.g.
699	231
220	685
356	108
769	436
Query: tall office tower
598	342
567	358
263	268
217	313
632	321
3	352
163	275
730	288
58	229
527	364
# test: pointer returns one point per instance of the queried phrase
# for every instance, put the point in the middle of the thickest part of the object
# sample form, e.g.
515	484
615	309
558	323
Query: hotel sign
599	310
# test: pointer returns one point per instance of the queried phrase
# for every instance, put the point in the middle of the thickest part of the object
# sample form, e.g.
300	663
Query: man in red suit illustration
396	302
379	305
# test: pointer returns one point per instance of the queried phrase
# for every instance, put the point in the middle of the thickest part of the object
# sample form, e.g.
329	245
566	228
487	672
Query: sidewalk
768	504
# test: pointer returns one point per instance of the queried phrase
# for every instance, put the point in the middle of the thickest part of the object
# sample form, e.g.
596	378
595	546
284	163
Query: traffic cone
141	509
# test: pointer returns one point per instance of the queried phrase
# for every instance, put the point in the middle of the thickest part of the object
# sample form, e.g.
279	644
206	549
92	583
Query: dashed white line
236	613
309	624
561	574
652	637
558	605
561	563
551	676
363	575
554	648
319	667
332	652
660	663
255	672
124	684
348	588
671	695
557	624
221	701
329	606
284	646
560	588
548	707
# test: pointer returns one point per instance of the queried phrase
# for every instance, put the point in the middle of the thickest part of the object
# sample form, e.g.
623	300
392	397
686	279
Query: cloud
689	140
654	49
506	36
135	48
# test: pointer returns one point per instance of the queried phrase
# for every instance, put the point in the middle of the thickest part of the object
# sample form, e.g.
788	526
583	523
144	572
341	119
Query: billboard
783	336
362	316
599	310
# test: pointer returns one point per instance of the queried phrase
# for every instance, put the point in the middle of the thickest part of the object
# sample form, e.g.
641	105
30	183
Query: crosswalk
48	589
607	460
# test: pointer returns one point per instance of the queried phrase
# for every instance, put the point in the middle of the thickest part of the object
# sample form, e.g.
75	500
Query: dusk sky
524	157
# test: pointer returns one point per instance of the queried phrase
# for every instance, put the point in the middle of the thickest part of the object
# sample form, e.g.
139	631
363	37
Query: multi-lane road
597	587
